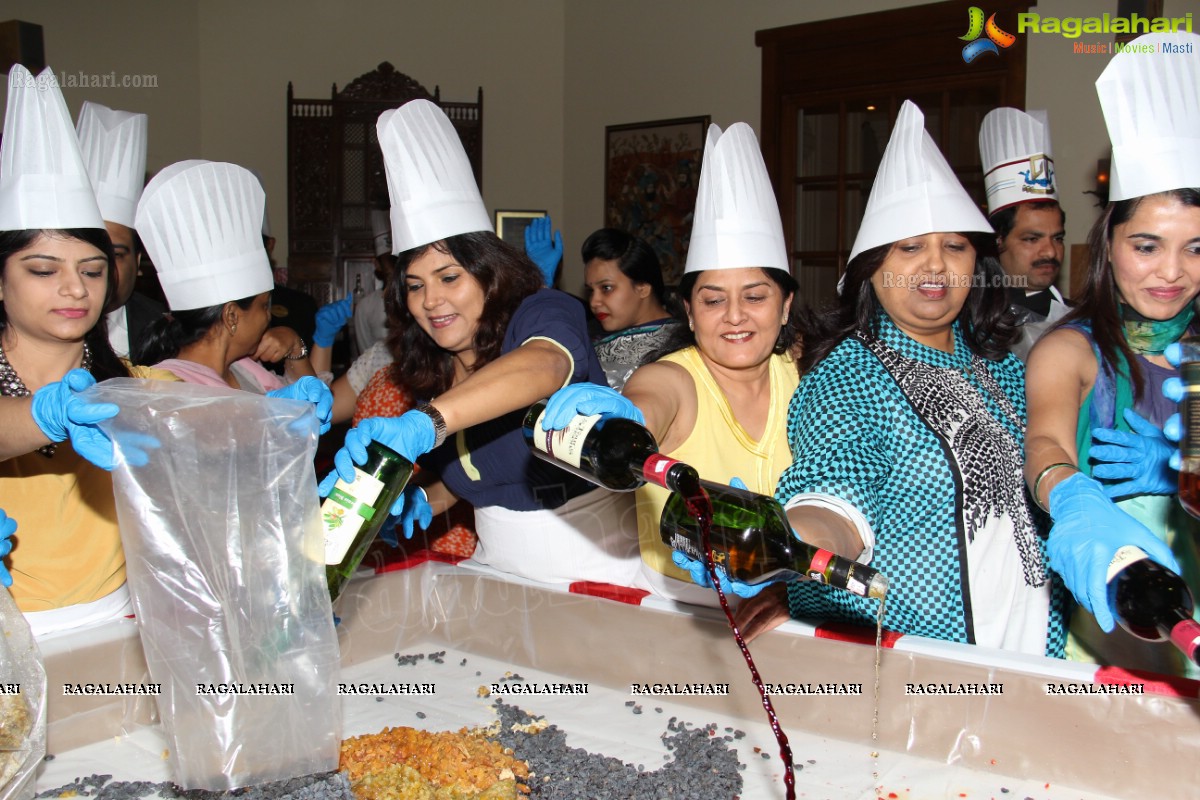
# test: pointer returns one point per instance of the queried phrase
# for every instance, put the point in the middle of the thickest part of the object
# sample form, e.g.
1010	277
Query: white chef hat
43	182
915	191
430	182
381	231
1151	104
201	224
113	144
1017	163
736	222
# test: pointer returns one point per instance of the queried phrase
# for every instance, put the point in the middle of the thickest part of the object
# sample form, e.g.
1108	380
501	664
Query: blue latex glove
700	575
1137	462
8	526
61	415
1172	389
587	399
411	435
1088	531
542	249
310	390
331	318
412	506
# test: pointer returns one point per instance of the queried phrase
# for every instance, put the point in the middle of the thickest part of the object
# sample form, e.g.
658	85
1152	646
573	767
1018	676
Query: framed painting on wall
651	175
511	225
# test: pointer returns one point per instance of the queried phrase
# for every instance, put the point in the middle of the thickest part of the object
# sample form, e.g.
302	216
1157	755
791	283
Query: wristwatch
303	352
439	422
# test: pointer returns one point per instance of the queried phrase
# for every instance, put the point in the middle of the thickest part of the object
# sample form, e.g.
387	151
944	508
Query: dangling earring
691	325
233	329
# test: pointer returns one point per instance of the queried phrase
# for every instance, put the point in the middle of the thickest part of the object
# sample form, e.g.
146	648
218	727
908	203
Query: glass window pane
856	196
817	142
818	279
816	216
967	109
931	107
867	133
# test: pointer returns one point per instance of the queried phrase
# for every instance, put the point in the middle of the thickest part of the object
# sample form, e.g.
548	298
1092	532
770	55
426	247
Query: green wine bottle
354	512
752	540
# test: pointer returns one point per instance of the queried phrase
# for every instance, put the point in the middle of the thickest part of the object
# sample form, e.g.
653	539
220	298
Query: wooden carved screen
336	175
830	93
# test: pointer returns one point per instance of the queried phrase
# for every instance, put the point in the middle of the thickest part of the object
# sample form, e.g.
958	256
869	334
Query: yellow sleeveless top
720	449
67	548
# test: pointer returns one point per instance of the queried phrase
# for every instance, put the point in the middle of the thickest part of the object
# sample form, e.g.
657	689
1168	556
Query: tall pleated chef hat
113	144
736	222
201	223
430	182
381	231
1017	163
43	182
1151	104
915	191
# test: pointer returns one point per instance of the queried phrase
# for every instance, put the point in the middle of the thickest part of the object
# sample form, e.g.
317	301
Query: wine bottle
354	512
358	293
616	453
1152	602
752	540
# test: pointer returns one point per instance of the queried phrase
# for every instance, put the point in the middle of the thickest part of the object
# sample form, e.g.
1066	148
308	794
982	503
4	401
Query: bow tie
1038	302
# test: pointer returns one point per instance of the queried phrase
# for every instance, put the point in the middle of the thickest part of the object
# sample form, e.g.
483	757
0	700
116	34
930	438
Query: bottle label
1123	558
344	512
656	468
566	445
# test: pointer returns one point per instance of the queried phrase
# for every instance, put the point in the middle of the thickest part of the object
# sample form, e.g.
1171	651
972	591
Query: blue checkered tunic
929	447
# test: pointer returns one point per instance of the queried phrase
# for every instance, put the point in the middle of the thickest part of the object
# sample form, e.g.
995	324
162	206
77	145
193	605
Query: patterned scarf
1150	337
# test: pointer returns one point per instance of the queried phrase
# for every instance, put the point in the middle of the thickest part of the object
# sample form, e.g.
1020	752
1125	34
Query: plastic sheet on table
224	553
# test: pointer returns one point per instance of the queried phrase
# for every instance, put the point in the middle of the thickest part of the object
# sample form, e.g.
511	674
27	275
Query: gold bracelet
1037	483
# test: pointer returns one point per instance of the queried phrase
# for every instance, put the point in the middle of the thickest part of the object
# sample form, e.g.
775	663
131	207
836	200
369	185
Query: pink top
250	374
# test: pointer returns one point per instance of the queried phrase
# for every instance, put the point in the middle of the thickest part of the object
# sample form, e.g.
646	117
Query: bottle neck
1185	635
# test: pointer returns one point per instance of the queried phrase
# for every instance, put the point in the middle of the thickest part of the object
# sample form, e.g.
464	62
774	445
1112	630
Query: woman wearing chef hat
1096	457
56	280
200	221
477	339
907	429
717	397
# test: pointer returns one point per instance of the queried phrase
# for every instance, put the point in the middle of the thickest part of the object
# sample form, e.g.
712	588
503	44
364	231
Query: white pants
592	537
114	605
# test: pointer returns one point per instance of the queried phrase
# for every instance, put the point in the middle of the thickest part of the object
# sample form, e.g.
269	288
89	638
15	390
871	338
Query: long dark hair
173	331
105	363
636	259
988	325
506	276
1099	304
681	336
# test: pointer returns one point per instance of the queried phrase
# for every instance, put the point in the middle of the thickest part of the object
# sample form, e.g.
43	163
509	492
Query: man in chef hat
113	144
370	317
1023	207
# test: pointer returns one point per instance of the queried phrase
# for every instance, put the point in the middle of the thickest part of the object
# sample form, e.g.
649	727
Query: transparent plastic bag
22	703
225	560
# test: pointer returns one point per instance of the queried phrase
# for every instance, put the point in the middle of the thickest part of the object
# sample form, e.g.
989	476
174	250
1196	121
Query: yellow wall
554	73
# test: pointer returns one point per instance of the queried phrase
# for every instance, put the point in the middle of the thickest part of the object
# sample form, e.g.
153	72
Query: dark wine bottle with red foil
616	453
752	540
1152	602
1189	410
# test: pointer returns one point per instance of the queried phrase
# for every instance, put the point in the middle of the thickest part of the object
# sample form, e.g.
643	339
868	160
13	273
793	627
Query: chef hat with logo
43	182
381	231
1151	104
736	222
430	182
915	190
201	223
113	144
1017	164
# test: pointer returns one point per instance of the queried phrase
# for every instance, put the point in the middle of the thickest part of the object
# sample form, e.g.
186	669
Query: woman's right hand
331	318
62	414
411	435
587	399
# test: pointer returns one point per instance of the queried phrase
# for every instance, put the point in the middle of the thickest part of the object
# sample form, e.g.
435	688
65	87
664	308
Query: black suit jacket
140	311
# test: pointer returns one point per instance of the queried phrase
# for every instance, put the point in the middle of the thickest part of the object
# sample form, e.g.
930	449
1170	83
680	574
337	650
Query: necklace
11	385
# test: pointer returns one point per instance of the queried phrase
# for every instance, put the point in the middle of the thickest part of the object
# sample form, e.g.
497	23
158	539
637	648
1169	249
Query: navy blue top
489	464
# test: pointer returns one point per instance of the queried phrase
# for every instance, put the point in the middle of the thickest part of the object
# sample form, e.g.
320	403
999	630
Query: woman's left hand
586	399
277	344
8	526
310	390
1134	463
